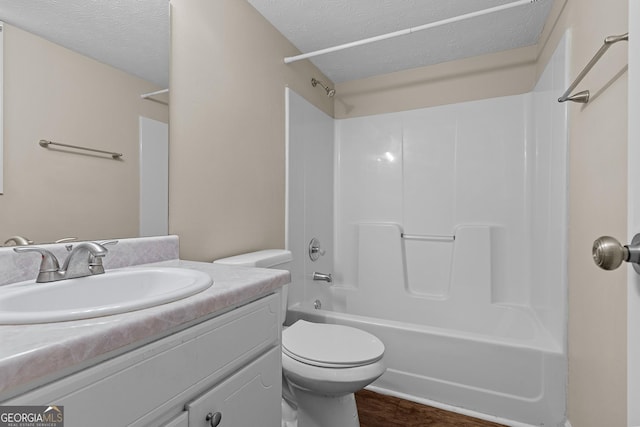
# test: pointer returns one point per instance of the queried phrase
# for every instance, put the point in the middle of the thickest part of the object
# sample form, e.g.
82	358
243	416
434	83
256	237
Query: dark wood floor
377	410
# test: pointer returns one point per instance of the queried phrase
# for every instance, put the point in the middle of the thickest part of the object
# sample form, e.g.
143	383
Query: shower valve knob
315	250
608	253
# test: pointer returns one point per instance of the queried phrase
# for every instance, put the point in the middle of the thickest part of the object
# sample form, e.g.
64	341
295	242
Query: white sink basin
116	291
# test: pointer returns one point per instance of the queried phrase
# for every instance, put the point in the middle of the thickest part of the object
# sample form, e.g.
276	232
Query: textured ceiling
311	25
133	35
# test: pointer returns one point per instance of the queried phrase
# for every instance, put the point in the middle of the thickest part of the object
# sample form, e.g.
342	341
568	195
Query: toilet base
289	414
325	411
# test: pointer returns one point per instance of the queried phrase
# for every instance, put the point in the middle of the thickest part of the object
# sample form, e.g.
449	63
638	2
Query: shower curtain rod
290	59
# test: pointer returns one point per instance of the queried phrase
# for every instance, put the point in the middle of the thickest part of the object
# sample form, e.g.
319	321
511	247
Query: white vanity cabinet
228	366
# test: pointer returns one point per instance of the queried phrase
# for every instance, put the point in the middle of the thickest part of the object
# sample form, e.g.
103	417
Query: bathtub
504	369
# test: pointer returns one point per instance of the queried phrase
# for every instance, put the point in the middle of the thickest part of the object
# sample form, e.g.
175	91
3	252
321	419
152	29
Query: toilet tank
269	258
279	259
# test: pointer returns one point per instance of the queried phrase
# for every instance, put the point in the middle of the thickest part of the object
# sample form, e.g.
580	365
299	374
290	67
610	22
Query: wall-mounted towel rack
583	96
150	96
44	143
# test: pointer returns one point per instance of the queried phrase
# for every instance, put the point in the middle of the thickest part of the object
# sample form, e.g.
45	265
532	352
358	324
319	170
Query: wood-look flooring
378	410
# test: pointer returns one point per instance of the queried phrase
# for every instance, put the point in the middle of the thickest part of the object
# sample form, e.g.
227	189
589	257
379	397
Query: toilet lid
327	345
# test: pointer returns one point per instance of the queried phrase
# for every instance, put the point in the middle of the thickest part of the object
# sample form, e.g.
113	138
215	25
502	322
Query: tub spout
321	276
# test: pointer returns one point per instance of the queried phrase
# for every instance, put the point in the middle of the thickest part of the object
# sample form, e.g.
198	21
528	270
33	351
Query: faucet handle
95	262
107	242
66	239
315	250
49	266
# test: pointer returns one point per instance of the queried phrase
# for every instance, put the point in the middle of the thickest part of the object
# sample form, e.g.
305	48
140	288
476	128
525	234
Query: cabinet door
250	398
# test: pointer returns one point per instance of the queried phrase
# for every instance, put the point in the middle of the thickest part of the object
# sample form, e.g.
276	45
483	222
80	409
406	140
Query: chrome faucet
321	276
84	259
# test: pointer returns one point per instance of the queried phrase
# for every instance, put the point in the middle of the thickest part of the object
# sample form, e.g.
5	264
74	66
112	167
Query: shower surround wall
445	231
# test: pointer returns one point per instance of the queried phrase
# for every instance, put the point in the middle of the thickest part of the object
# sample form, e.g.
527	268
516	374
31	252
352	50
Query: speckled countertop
31	355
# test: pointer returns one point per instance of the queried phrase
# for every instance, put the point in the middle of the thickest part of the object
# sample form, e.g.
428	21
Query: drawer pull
214	418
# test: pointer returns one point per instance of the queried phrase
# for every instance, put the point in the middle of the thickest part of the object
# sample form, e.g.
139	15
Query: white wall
310	161
548	167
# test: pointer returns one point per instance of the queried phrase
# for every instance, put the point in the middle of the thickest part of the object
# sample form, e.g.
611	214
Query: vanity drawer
154	382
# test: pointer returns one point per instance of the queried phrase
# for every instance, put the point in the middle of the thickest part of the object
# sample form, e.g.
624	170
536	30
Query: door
633	222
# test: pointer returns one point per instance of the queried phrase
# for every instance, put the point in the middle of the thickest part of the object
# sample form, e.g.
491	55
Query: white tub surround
32	355
445	231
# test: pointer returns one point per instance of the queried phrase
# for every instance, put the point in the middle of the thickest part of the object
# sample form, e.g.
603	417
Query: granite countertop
32	355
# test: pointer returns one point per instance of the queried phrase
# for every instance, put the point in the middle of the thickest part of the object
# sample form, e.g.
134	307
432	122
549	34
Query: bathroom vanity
210	359
227	367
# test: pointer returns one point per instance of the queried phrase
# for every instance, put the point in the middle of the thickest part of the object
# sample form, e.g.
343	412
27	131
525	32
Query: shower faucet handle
315	250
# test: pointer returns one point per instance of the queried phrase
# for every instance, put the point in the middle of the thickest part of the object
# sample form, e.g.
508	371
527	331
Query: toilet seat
330	346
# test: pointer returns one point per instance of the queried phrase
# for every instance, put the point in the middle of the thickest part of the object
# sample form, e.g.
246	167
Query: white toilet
322	364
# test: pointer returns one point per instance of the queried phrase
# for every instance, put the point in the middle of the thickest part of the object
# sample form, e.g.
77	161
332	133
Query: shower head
330	92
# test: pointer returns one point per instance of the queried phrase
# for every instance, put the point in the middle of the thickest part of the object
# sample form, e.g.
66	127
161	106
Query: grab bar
44	143
583	96
428	238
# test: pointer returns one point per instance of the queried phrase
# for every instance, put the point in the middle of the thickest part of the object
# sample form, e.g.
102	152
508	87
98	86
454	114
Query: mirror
55	93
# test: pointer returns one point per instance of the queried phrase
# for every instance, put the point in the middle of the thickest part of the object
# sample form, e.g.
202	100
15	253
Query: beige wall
500	74
53	93
597	206
227	133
